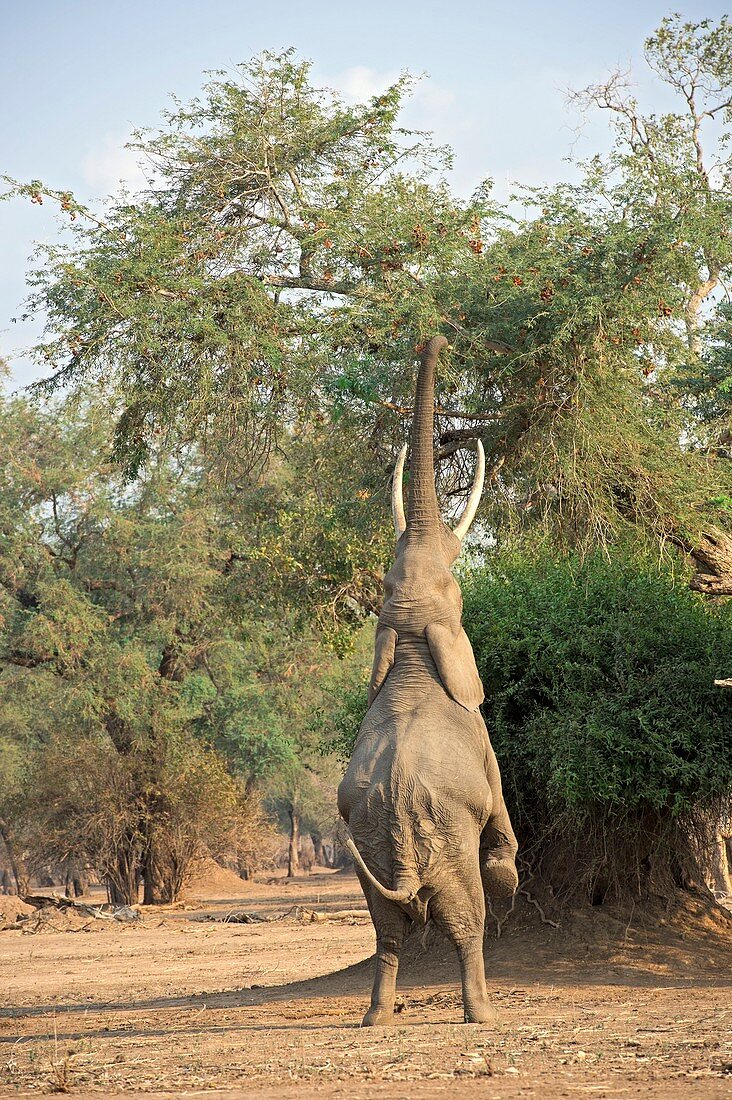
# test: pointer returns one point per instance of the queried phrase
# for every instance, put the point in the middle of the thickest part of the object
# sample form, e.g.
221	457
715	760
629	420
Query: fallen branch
295	912
242	918
99	912
340	914
318	916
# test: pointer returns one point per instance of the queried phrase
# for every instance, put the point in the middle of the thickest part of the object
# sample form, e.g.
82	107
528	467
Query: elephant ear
384	647
453	655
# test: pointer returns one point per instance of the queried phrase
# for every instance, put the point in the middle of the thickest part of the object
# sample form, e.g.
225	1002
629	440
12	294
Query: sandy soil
183	1004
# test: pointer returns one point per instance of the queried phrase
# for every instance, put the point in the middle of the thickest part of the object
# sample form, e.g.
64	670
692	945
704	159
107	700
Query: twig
627	927
456	414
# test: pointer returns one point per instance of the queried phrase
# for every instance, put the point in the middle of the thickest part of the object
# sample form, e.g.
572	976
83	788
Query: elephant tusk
471	508
397	498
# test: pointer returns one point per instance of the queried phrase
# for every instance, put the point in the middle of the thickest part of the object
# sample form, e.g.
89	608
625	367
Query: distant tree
302	790
114	608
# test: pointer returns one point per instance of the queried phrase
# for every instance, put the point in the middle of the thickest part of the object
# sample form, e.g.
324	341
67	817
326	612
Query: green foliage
345	700
267	292
600	695
130	676
348	714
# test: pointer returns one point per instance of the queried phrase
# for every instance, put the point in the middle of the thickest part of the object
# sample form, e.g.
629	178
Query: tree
272	284
114	608
220	293
301	790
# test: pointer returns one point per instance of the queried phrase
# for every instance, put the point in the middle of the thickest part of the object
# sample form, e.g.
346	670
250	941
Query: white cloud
109	165
428	100
361	82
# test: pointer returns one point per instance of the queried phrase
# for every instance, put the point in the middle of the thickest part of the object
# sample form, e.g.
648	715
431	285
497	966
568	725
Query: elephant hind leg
391	924
498	849
500	878
460	914
498	845
477	1009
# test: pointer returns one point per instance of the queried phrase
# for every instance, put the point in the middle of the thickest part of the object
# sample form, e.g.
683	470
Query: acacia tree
219	293
273	281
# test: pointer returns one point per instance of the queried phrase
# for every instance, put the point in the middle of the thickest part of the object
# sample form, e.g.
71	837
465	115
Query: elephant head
423	600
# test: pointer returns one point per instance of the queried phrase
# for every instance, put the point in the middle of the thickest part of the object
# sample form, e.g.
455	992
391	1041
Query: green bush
348	711
614	744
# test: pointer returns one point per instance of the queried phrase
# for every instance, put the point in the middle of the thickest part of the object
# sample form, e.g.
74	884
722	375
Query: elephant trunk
423	512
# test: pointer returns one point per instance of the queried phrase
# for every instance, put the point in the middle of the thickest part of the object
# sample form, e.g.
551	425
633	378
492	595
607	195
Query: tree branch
407	410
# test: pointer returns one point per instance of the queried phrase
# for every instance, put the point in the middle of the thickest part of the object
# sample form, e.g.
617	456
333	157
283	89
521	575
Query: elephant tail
401	896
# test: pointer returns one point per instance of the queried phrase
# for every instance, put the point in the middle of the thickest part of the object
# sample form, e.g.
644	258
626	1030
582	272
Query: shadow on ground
688	948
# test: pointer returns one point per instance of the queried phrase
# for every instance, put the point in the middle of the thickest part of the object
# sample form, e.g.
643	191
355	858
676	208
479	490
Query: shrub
126	819
613	741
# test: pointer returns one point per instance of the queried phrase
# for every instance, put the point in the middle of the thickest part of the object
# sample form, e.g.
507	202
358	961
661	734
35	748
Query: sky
78	76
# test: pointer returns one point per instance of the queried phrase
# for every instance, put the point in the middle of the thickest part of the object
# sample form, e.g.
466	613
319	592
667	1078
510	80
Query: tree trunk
76	880
153	888
293	855
720	866
21	879
161	885
317	838
340	856
121	875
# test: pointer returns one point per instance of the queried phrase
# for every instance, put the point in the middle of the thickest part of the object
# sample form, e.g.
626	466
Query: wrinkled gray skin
422	794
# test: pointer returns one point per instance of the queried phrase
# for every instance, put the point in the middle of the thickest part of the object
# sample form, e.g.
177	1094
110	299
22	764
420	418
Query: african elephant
422	793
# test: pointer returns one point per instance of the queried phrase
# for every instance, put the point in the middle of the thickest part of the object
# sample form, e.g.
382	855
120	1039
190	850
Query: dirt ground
183	1004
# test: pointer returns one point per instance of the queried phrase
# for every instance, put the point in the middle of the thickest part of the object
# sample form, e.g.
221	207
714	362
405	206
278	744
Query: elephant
425	819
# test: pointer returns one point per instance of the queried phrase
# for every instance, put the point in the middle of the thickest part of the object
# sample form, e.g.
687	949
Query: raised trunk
293	854
423	511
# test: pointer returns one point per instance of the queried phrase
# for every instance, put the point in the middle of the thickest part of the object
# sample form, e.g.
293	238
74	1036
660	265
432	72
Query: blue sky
78	76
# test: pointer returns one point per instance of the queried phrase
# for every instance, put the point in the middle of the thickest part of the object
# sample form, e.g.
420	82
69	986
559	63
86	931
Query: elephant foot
480	1012
500	878
378	1016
